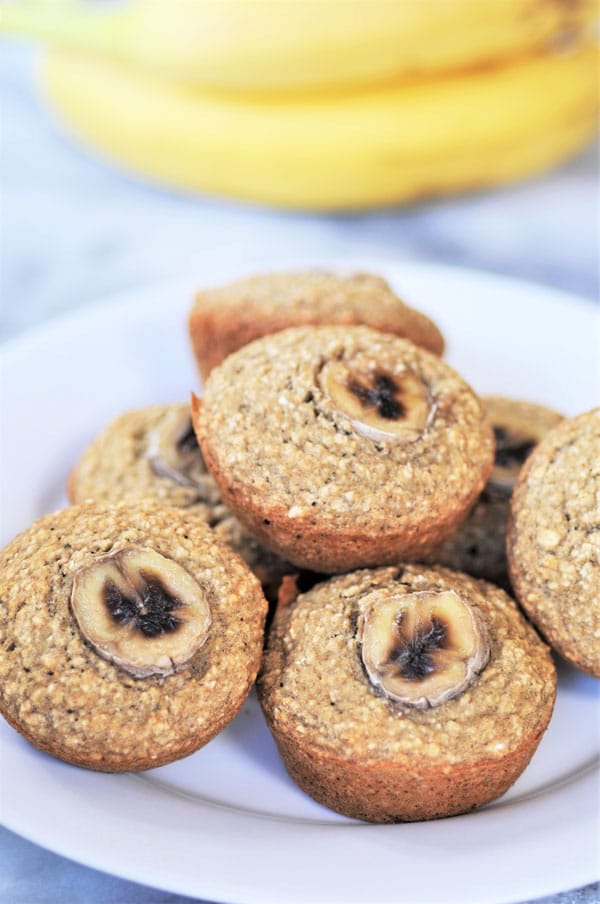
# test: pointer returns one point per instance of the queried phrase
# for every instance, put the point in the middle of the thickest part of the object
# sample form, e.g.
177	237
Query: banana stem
66	23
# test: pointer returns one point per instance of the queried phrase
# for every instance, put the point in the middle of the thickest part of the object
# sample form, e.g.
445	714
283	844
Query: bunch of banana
325	105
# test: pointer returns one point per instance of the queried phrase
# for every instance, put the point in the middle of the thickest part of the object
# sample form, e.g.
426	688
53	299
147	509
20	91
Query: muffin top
128	635
554	539
404	662
345	427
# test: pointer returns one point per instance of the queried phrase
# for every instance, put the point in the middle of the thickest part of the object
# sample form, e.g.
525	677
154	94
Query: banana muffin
340	447
152	454
129	636
478	546
405	693
554	539
226	318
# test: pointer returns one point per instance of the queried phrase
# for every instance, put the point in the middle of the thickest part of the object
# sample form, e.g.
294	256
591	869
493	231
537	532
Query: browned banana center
421	648
513	446
149	606
382	395
413	655
140	610
380	405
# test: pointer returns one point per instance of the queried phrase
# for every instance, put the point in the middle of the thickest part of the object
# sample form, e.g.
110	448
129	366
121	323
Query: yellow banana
336	150
297	44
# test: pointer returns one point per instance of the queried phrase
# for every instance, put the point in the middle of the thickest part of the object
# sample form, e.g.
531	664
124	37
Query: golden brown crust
350	749
398	792
72	485
327	551
224	319
553	541
73	704
306	483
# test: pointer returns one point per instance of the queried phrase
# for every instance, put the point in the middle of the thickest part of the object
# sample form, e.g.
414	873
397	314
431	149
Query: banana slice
422	648
141	611
173	449
513	446
380	405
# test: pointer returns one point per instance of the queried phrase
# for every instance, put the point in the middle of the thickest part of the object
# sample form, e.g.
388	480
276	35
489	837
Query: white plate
226	823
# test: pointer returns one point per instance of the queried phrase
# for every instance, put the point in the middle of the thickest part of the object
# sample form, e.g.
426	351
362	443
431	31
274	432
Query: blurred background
140	139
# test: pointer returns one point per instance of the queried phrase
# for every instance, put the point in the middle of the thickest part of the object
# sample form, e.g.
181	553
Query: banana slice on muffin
129	637
405	693
478	545
341	447
554	539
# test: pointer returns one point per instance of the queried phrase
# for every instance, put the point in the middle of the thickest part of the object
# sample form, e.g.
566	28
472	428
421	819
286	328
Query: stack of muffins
337	468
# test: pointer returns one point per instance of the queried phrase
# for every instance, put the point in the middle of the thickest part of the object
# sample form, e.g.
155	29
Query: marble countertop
74	230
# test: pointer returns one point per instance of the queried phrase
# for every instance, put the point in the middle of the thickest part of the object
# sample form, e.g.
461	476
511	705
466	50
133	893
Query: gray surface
31	875
73	230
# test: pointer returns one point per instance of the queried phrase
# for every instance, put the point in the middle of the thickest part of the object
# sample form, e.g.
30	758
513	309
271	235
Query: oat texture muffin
152	454
554	539
405	693
478	546
339	447
225	318
149	453
129	637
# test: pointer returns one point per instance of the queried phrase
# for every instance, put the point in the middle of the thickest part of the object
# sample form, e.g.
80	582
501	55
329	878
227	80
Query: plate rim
103	307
